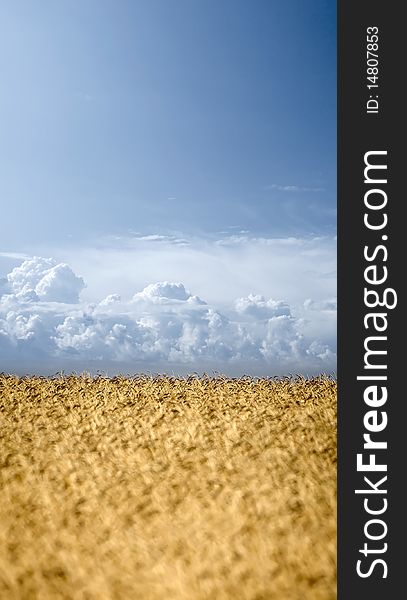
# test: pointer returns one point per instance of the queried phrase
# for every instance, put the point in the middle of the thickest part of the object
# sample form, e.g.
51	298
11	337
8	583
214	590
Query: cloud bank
164	326
218	270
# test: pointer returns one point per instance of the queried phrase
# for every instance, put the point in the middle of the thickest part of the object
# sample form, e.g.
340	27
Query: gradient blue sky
168	185
154	115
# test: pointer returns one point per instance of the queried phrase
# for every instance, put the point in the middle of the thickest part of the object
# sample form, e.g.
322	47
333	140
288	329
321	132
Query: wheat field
153	487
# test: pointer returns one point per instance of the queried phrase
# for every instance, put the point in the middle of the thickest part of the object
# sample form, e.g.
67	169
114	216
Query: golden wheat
165	488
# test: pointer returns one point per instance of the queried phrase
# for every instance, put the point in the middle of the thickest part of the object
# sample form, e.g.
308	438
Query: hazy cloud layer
165	323
218	270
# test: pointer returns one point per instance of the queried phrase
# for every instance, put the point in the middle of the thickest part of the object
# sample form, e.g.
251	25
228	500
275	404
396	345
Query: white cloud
110	299
43	318
260	308
14	255
293	188
163	291
219	270
43	279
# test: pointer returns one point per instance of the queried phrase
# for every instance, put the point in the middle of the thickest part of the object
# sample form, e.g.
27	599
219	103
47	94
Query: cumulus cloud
258	307
110	299
163	291
166	292
157	237
43	318
44	279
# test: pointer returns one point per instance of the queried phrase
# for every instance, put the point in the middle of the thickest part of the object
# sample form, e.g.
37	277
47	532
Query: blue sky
156	115
193	120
